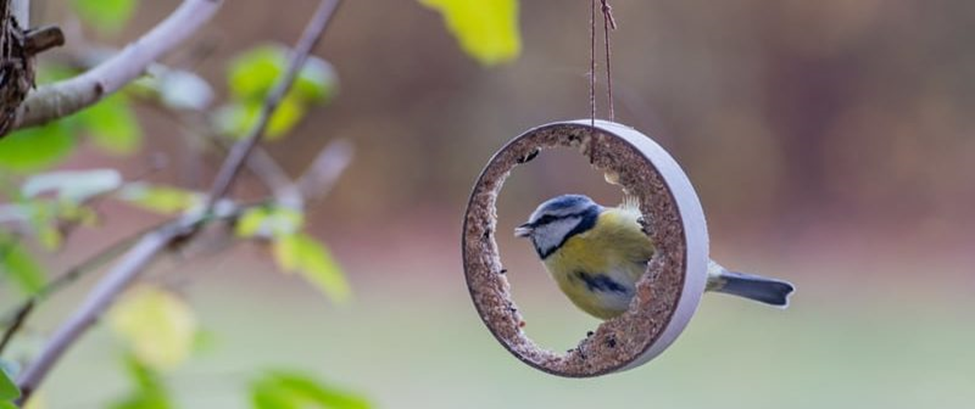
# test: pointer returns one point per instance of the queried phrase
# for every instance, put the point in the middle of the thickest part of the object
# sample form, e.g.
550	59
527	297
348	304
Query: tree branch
139	256
63	98
242	149
95	304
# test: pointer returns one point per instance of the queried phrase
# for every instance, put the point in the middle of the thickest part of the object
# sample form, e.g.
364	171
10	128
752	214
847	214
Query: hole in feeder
551	318
665	298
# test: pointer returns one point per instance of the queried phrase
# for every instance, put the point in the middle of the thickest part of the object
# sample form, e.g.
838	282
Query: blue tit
596	255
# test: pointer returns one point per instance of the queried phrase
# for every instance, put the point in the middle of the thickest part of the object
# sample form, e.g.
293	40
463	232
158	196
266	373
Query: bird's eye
545	219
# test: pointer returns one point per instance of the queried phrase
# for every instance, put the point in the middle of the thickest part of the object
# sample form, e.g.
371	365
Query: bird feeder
669	291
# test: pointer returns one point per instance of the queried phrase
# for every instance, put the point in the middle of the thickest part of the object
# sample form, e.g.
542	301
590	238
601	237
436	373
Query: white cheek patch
548	237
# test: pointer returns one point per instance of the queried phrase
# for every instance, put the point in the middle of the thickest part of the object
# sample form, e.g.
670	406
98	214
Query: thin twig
139	256
240	151
74	273
63	98
97	301
18	321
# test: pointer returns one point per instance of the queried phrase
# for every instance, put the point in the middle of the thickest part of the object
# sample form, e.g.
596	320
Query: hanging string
592	63
609	23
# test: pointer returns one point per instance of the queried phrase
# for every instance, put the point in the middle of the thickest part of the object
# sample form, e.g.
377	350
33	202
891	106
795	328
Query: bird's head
558	219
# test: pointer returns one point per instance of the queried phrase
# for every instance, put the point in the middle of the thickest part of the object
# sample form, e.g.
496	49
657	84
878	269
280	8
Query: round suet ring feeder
668	293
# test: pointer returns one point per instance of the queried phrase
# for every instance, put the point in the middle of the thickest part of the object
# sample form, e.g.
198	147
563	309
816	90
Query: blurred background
831	144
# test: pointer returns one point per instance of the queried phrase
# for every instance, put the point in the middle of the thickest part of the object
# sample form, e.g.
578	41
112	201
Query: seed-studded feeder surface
668	293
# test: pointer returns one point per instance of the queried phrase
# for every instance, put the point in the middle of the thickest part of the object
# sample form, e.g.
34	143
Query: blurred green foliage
107	16
19	266
289	390
33	149
149	391
269	221
167	200
158	327
253	74
310	257
8	389
486	29
112	125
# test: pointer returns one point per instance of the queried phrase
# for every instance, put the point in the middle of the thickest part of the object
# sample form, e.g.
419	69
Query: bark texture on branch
63	98
16	65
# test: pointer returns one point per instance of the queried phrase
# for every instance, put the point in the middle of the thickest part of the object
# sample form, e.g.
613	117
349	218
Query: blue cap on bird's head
557	219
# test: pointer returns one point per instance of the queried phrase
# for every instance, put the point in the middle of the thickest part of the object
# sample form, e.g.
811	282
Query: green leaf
486	29
309	257
48	72
158	326
251	77
316	82
149	393
237	119
112	125
108	16
269	222
254	73
33	149
73	186
20	266
289	390
8	389
160	199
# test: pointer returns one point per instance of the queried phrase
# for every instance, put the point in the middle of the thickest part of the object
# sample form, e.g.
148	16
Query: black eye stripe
548	218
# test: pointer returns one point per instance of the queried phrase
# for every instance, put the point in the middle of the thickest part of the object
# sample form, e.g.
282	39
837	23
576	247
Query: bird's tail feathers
762	289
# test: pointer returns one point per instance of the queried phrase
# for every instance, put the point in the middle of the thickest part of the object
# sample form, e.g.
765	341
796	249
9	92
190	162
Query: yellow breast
598	269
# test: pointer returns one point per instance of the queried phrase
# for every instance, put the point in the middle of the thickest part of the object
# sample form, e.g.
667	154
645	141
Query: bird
597	254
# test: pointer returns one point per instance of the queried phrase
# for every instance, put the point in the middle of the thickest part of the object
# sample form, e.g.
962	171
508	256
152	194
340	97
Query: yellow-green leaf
149	391
252	75
250	223
20	266
112	125
310	258
160	199
289	390
158	326
486	29
285	251
269	221
49	236
32	149
105	15
237	119
8	389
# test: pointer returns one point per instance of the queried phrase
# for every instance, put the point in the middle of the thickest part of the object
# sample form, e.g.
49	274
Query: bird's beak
524	230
